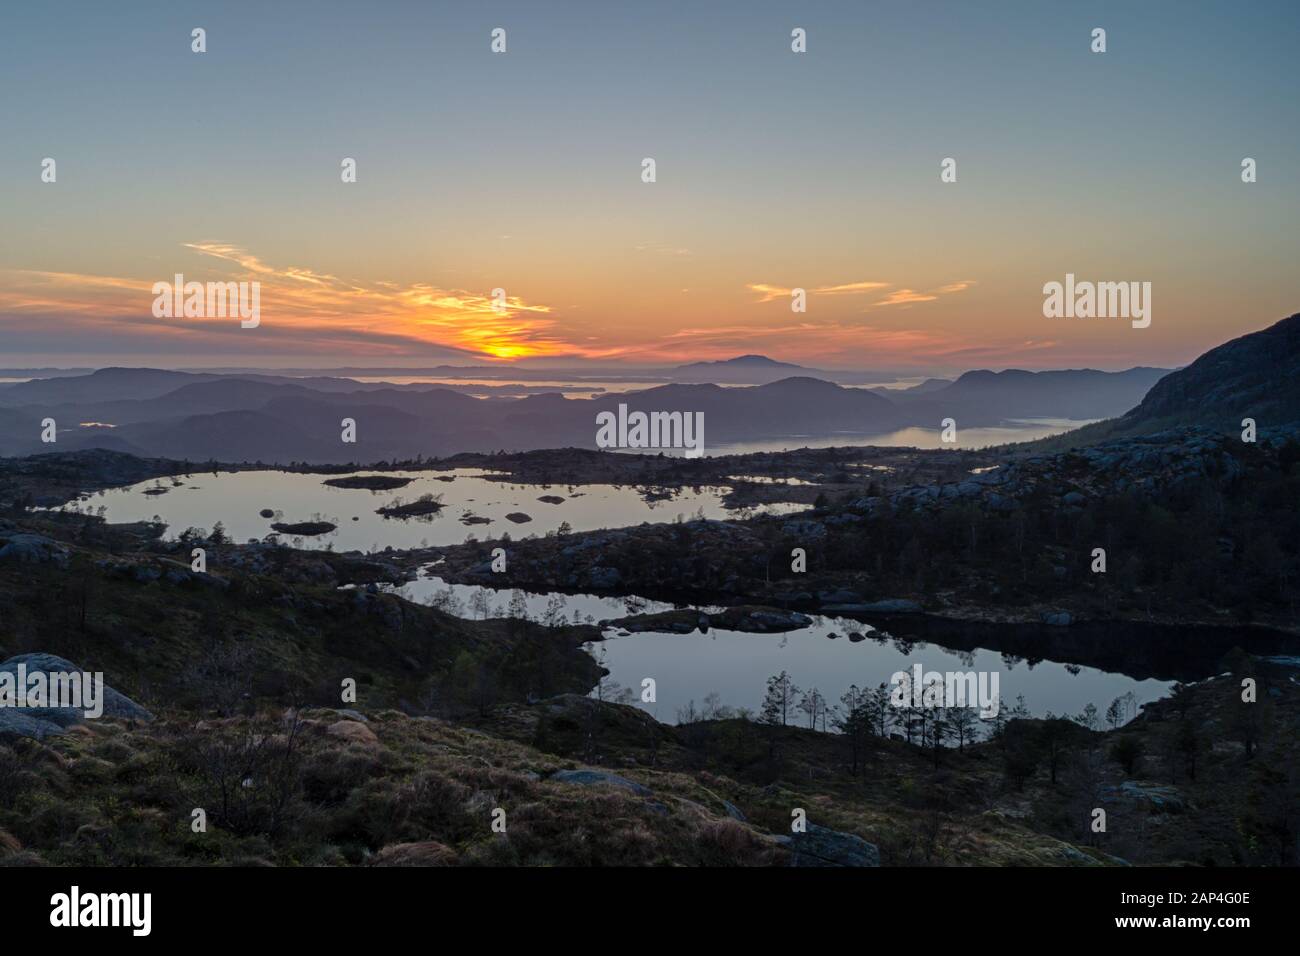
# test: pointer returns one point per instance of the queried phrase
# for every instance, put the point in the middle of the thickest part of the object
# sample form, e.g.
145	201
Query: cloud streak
317	309
900	296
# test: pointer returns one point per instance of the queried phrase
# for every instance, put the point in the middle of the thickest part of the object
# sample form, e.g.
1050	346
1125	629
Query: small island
306	529
423	506
369	482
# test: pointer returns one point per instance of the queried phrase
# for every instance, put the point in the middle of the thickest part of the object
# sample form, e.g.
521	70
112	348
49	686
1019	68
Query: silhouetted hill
106	384
983	397
741	370
742	361
279	419
1255	376
929	385
788	408
911	391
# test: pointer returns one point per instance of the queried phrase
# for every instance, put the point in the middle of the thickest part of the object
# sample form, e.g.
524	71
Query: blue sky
777	170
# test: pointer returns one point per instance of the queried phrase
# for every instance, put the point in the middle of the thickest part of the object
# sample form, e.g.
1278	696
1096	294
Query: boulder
26	548
592	778
353	732
820	846
1160	798
42	722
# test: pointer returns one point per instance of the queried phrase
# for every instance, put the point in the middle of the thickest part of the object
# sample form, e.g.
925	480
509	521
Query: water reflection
735	666
247	503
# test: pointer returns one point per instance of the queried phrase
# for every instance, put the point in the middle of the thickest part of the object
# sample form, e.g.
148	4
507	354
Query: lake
685	668
688	667
236	499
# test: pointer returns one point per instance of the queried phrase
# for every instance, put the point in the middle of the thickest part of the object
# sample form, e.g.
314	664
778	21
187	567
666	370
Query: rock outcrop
821	846
42	722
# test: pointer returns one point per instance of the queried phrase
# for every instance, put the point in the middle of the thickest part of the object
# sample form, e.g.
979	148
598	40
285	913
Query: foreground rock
33	549
1160	799
819	846
592	778
41	722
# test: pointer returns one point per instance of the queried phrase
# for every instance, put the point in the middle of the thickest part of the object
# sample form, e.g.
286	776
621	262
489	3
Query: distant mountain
741	370
103	385
1256	376
929	385
742	361
249	418
788	408
274	418
983	397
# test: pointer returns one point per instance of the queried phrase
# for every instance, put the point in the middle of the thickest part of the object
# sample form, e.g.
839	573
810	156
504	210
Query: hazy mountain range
210	415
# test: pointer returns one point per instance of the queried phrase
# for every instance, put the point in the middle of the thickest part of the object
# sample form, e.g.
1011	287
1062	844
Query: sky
522	171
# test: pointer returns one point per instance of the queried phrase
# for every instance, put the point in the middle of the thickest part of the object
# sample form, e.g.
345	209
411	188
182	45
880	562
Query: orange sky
775	170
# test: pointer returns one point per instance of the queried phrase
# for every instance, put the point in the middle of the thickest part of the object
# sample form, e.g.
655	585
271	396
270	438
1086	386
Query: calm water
736	665
686	668
1030	429
569	388
237	498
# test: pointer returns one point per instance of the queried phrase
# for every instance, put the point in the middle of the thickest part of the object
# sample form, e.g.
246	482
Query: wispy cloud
314	307
907	297
850	288
770	293
902	296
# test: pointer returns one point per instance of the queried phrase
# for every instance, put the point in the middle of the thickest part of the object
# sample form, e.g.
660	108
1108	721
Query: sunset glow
477	173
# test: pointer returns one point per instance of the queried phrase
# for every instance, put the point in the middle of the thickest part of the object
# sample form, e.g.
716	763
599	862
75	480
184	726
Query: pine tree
779	701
